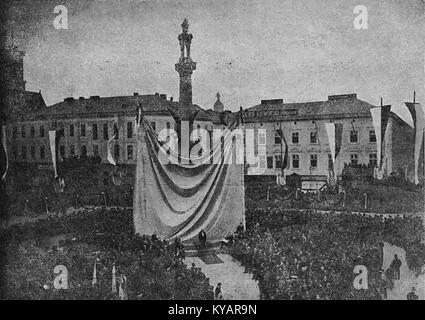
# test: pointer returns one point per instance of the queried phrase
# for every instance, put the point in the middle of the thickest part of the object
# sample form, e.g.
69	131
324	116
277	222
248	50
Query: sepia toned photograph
213	150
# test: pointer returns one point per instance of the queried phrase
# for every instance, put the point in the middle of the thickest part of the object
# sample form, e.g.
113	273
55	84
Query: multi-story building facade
303	126
87	124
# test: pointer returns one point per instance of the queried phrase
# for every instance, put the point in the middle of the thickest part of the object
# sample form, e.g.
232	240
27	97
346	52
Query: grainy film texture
212	150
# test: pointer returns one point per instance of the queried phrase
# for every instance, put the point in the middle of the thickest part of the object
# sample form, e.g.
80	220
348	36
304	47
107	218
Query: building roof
34	101
95	106
337	106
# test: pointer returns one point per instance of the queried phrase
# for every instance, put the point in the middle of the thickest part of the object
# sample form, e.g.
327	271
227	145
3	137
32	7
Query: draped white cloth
52	140
419	135
173	200
376	120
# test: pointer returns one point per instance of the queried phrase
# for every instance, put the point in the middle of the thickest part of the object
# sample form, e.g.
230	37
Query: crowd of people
308	255
154	268
32	191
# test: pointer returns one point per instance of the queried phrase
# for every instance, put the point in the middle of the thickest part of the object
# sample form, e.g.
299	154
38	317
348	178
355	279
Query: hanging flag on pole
385	113
376	120
110	157
330	130
122	290
334	132
338	138
53	151
380	120
4	158
284	155
94	281
418	115
114	280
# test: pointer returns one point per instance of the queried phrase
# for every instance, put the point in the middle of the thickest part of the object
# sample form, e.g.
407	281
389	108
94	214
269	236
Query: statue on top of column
185	39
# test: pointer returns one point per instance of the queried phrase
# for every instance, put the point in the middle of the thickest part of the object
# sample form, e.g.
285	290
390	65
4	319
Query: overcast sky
300	50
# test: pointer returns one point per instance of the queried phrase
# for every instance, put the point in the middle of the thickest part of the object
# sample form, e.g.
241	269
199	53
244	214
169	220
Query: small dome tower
218	105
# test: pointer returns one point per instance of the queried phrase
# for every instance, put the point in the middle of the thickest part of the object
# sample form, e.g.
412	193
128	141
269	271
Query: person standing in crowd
395	266
202	238
412	295
217	292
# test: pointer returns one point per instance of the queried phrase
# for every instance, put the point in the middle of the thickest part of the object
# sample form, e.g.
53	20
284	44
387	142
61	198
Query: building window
14	132
95	150
295	161
263	161
313	137
105	131
262	137
32	132
295	137
116	151
95	135
277	138
71	130
130	152
42	152
41	131
62	151
116	132
83	130
83	151
313	160
353	136
373	159
23	131
61	132
129	130
32	152
270	162
72	150
278	161
24	152
354	158
372	136
15	152
330	162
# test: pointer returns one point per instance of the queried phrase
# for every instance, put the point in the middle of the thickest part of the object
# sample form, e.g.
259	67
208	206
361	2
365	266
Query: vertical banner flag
114	280
417	112
376	120
330	130
338	138
94	281
4	158
110	157
385	112
53	151
284	155
334	132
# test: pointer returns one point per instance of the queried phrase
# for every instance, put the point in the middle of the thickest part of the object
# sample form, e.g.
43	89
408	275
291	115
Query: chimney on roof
382	101
163	96
135	94
81	98
171	99
272	101
343	96
69	99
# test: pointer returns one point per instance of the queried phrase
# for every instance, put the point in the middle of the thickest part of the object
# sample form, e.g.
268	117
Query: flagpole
281	149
